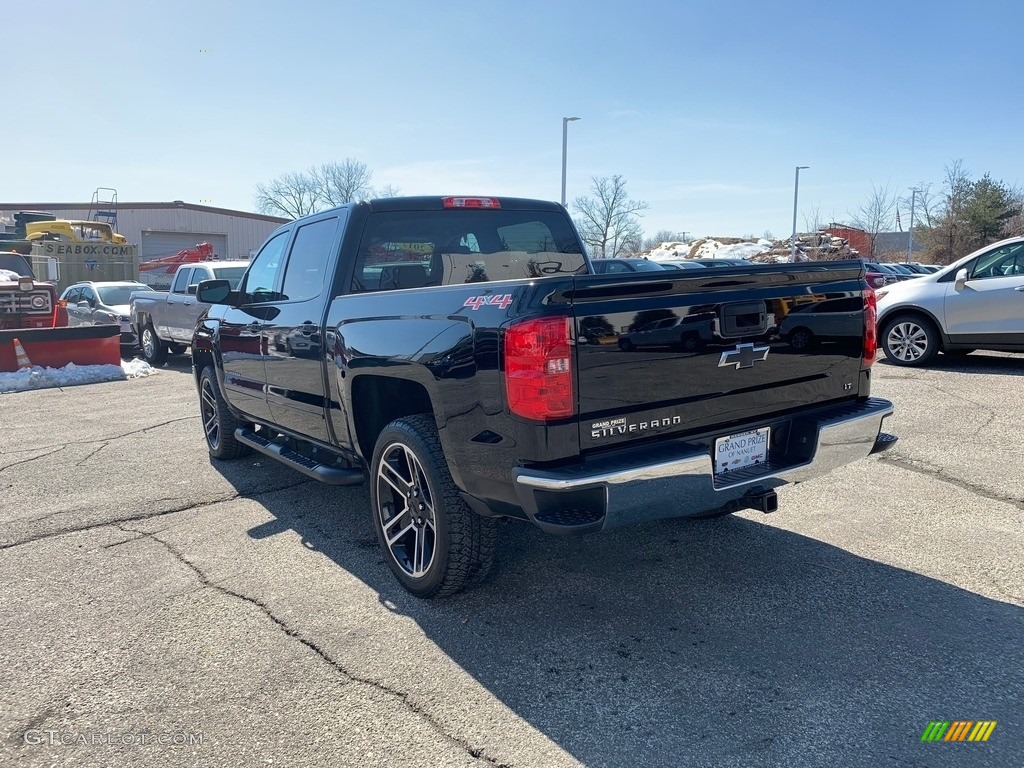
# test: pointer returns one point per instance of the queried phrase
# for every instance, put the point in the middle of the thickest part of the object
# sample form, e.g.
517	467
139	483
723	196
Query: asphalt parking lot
240	614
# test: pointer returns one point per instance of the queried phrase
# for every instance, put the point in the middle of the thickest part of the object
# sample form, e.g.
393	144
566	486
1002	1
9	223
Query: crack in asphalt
403	697
62	446
92	453
56	449
144	515
914	465
959	395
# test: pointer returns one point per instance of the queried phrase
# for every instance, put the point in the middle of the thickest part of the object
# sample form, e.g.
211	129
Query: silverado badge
744	356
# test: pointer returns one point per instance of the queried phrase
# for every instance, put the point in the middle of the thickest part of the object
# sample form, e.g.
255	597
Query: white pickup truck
164	320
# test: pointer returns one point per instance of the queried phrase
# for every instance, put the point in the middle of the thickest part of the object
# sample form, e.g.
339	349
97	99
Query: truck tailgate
669	354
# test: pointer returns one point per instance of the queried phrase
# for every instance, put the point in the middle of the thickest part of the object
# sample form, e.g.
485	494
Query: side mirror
213	291
83	304
960	280
193	288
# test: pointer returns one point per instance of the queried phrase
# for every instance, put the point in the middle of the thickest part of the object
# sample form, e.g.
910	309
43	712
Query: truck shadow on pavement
724	642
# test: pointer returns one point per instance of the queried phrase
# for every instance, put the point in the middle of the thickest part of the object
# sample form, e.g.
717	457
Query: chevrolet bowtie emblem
744	356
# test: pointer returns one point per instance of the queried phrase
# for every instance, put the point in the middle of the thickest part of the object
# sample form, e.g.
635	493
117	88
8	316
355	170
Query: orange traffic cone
22	360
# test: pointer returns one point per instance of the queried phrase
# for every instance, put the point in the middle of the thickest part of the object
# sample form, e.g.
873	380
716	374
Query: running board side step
298	462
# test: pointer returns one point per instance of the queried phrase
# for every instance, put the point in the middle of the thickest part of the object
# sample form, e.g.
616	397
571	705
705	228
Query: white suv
974	303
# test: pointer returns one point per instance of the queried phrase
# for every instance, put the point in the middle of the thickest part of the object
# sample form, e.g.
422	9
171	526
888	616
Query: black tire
154	351
439	546
801	339
177	349
219	424
909	340
625	345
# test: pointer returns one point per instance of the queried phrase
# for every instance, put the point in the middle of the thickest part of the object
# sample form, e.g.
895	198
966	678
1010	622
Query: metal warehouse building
163	229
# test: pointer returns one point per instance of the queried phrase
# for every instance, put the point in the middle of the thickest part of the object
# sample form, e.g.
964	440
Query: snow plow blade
56	347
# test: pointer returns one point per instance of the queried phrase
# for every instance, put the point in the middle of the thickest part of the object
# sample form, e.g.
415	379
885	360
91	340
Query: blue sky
705	108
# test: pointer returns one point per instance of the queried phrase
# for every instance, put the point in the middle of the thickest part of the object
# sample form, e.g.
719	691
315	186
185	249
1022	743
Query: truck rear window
232	274
413	249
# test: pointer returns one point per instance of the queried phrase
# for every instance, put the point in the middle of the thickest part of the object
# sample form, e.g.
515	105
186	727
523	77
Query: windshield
232	274
115	295
14	262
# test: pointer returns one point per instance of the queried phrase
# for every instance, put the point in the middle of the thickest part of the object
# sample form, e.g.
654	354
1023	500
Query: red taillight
538	369
471	202
870	329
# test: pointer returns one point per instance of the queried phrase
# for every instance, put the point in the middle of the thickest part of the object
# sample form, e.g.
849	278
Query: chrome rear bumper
677	479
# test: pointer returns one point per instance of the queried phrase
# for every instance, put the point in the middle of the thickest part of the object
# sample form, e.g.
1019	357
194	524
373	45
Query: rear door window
181	281
306	270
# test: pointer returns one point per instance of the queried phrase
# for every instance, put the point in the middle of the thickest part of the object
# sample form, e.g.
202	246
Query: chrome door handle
1019	289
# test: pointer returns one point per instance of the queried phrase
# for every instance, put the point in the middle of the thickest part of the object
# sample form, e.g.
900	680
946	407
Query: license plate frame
741	450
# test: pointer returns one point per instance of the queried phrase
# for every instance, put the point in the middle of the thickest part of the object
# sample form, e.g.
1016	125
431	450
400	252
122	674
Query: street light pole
796	194
565	145
910	244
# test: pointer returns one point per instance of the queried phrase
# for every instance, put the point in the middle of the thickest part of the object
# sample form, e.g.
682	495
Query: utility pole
910	243
796	194
565	146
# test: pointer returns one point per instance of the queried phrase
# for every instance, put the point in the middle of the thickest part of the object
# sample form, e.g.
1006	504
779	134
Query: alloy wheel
406	510
208	410
907	341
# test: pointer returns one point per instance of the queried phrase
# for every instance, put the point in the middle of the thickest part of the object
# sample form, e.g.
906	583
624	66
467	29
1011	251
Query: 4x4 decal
476	302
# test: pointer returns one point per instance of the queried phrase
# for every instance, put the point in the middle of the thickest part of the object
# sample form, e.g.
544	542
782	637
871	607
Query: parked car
681	264
975	303
164	320
903	269
103	303
891	275
716	262
619	266
918	269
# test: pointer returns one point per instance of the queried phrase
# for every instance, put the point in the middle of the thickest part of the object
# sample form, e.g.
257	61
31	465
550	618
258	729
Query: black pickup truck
461	354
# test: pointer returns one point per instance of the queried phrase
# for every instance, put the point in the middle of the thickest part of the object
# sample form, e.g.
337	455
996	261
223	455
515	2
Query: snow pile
726	248
136	369
669	252
38	377
741	251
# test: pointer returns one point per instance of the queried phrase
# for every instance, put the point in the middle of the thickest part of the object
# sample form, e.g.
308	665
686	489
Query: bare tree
1015	224
876	214
659	237
292	195
925	205
608	220
388	190
812	218
330	184
344	182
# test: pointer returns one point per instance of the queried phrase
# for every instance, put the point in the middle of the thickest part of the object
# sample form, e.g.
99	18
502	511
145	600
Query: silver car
103	303
974	303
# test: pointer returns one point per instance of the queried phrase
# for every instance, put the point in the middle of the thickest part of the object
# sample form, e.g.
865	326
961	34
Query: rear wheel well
201	359
379	400
917	314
